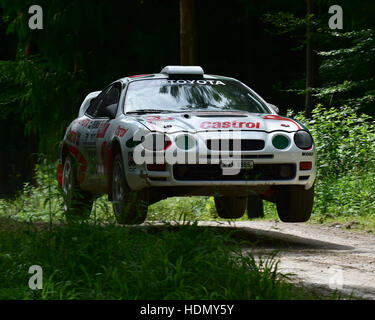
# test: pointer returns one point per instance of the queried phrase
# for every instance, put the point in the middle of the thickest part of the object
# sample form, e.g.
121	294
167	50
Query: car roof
165	76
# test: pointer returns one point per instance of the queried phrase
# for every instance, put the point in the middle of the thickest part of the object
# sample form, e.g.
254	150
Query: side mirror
273	107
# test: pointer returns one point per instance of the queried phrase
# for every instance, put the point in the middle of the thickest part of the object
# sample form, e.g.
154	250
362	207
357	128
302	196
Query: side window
92	107
94	103
109	103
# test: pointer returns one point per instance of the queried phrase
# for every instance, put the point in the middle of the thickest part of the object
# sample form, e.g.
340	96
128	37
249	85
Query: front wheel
77	202
129	206
230	207
294	203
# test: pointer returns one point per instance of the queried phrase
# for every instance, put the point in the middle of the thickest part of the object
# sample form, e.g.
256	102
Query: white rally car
181	132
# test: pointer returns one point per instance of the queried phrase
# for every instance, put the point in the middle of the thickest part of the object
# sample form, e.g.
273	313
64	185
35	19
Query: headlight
185	142
156	142
303	140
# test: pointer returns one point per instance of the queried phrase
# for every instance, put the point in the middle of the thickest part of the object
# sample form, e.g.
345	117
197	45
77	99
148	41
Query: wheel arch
64	153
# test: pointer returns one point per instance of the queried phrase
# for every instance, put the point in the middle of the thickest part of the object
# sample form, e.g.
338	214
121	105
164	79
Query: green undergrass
91	261
349	200
99	260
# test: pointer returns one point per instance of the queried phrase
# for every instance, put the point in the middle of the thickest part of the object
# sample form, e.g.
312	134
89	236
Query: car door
99	132
88	140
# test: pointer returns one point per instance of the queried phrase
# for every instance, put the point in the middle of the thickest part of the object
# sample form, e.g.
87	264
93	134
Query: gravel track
320	257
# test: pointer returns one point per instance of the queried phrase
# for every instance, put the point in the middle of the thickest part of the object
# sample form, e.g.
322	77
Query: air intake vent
213	172
246	144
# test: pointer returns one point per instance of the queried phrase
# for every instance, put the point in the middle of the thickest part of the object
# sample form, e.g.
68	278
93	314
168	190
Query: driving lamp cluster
302	140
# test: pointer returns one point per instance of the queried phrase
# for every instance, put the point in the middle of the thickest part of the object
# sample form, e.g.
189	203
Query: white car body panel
91	141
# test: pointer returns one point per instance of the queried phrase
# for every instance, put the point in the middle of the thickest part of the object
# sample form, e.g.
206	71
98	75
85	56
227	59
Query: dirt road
321	257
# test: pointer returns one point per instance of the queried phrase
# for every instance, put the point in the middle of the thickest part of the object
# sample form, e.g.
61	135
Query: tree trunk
187	32
309	62
32	144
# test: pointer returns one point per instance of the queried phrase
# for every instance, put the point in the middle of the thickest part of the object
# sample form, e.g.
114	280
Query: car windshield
190	95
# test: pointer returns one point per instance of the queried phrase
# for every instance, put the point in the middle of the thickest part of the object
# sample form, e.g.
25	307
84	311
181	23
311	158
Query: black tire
129	207
294	203
230	207
77	202
255	207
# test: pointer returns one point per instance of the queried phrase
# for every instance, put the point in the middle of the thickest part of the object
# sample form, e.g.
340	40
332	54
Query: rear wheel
255	207
294	203
130	207
77	202
230	207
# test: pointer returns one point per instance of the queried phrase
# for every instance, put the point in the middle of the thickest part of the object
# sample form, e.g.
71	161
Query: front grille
246	144
243	156
202	172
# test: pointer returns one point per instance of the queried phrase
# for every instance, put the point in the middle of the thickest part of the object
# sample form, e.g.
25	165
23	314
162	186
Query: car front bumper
271	166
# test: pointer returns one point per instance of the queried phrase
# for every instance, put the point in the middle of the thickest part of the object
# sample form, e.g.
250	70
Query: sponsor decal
82	162
72	136
120	132
59	174
139	76
131	143
84	122
102	129
202	82
94	124
275	117
228	124
151	119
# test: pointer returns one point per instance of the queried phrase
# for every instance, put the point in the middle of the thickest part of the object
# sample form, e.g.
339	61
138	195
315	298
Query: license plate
237	164
247	164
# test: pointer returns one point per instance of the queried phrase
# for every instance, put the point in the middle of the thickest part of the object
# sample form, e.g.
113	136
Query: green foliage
50	99
11	92
183	209
348	73
286	22
349	196
44	201
347	66
345	143
39	95
345	140
108	262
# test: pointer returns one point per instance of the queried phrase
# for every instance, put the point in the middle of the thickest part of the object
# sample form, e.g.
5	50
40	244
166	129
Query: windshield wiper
140	111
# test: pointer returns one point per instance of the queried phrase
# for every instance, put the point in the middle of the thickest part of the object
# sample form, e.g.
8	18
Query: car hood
213	121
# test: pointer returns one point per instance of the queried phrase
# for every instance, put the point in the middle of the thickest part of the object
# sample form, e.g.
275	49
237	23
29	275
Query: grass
92	261
348	200
99	260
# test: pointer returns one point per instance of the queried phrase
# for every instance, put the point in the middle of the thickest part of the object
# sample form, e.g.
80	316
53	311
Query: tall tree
187	32
312	65
309	54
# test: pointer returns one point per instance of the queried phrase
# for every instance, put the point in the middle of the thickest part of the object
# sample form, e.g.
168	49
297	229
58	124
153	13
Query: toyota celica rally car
181	132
